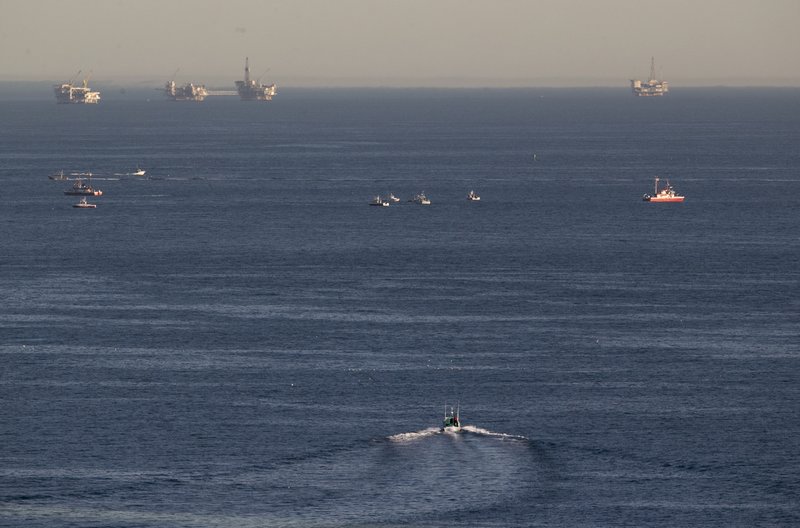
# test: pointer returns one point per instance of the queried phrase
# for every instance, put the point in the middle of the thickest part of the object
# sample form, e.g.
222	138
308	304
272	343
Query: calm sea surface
239	340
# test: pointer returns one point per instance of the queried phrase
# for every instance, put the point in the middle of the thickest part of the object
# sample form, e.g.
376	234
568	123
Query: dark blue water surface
239	340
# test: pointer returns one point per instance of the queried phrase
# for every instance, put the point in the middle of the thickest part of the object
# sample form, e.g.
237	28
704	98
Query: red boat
667	194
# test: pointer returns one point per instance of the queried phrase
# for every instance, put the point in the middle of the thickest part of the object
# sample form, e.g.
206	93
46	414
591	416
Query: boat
58	176
651	87
452	420
82	189
421	199
666	194
137	172
250	90
68	93
380	202
392	198
472	197
83	204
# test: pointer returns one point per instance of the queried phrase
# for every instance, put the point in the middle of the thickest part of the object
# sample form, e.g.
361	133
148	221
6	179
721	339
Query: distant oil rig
652	87
247	90
68	93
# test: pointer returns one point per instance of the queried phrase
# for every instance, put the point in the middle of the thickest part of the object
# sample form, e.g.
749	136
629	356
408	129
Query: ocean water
238	340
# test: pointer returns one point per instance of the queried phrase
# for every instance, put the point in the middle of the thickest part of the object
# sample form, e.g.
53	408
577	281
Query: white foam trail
485	432
410	437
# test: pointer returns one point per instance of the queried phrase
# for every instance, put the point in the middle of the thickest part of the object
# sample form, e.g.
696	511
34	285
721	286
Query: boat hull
451	429
670	199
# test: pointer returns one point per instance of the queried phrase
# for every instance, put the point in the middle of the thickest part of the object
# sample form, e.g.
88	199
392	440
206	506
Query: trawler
250	90
666	194
421	199
651	87
380	202
68	93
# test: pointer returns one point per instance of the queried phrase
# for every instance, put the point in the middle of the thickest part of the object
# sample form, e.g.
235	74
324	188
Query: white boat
452	420
421	199
380	202
472	197
83	204
392	198
138	172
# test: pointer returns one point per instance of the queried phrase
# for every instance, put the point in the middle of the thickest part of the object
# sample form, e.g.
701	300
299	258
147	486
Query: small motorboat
392	198
83	204
380	202
452	420
472	197
138	172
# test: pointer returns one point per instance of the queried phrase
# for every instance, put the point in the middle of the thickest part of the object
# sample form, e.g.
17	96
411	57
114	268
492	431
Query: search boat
421	199
452	420
393	198
83	204
378	201
82	189
667	194
472	197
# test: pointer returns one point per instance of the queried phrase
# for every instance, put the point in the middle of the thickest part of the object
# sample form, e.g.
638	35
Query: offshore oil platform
652	87
250	90
187	92
68	93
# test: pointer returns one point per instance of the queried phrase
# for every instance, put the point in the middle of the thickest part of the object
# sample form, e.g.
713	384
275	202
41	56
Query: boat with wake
452	420
666	194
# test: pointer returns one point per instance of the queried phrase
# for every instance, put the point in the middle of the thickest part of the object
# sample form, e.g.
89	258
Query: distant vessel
667	194
378	201
187	92
138	172
250	90
452	421
472	197
81	189
421	199
83	204
68	93
652	87
58	176
393	198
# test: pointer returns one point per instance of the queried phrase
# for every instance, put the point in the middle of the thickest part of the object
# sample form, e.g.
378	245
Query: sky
471	43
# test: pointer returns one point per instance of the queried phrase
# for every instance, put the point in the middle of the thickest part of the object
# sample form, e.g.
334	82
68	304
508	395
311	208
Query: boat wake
430	431
416	435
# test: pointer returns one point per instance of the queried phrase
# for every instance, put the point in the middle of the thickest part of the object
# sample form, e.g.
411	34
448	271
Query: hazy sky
407	43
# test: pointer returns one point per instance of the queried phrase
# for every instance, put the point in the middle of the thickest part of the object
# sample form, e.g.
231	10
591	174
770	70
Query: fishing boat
82	189
421	199
83	204
666	194
392	198
452	420
380	202
472	197
58	176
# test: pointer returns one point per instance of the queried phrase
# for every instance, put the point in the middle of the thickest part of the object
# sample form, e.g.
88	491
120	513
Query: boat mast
655	189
